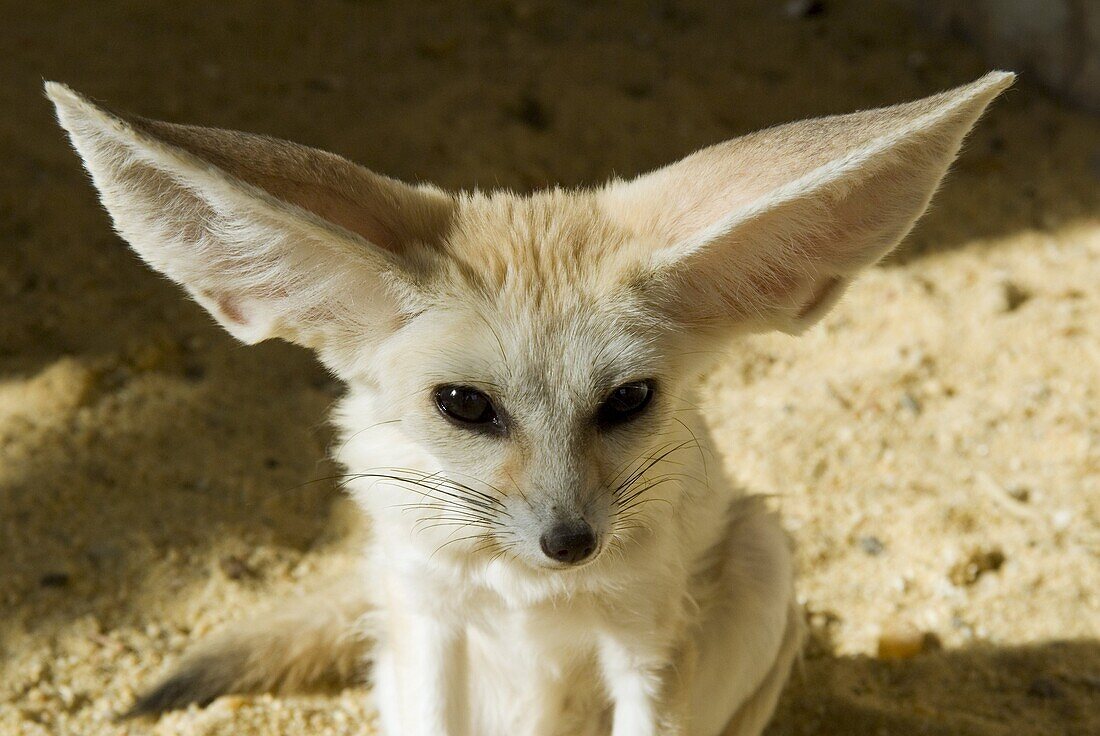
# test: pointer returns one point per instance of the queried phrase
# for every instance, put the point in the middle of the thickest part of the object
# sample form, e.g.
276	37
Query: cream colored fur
683	622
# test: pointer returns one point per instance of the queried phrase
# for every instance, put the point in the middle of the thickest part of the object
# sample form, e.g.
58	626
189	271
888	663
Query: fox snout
570	542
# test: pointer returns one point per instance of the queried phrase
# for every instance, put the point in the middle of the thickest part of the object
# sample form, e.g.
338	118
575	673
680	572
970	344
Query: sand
934	445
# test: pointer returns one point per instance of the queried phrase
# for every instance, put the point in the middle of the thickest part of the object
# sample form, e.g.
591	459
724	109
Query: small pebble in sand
1008	296
823	627
153	356
194	371
902	640
231	702
872	545
977	563
1044	688
54	580
911	403
804	8
532	112
237	569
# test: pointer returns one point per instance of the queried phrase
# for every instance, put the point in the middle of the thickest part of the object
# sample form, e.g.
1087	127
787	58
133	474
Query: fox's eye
625	402
465	405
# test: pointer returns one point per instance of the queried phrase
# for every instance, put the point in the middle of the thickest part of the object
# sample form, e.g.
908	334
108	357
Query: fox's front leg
421	672
649	684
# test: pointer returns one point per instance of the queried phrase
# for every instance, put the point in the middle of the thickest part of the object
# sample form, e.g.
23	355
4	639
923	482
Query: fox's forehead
553	247
588	341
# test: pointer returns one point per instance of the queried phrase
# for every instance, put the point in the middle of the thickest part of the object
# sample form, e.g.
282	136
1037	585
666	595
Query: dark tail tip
196	683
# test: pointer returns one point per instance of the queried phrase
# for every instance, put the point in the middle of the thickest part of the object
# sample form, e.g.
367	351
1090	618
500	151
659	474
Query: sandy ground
934	445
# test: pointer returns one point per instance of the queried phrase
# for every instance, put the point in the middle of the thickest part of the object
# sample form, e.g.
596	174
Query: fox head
529	360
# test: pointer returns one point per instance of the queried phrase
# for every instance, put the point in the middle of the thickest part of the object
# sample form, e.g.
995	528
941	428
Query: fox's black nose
569	543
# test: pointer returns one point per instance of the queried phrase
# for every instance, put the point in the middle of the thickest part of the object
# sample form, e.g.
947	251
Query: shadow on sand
1043	689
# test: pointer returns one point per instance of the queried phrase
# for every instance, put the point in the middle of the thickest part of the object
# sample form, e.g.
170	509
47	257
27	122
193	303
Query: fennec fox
553	547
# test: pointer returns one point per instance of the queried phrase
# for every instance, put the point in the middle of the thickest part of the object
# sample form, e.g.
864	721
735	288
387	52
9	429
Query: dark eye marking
625	403
468	407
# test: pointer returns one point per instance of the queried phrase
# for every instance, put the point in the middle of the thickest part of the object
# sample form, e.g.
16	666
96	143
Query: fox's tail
314	644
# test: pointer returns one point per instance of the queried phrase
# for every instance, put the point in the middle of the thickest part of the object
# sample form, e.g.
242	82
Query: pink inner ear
231	306
228	306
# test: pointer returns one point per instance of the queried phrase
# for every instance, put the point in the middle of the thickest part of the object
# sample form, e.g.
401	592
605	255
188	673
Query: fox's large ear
274	239
765	231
